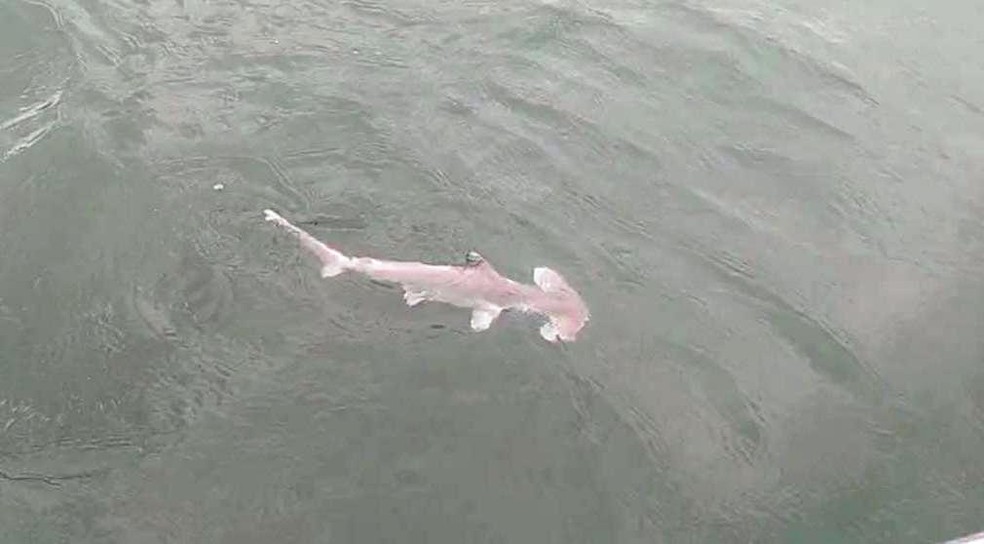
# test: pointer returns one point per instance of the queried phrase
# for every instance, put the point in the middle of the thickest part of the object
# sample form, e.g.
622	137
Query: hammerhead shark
475	285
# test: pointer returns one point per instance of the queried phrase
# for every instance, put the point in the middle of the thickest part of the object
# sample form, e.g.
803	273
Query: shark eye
472	258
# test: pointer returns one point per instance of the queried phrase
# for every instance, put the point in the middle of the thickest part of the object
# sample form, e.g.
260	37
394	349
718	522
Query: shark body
476	285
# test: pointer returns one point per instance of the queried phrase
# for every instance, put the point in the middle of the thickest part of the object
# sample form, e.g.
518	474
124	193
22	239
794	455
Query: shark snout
566	318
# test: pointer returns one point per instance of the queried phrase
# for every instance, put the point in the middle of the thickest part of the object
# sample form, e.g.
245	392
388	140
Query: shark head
565	310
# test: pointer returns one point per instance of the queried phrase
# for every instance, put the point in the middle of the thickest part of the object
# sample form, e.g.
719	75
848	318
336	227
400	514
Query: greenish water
774	211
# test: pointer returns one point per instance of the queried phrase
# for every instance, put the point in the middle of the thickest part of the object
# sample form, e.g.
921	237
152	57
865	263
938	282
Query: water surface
773	211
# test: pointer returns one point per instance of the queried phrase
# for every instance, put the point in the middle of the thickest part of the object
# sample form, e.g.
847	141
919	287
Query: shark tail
333	262
336	266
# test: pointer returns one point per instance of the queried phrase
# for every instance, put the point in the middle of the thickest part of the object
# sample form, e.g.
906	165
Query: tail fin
333	269
333	262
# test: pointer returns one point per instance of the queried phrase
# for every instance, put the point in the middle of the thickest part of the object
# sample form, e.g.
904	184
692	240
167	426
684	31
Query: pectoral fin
482	318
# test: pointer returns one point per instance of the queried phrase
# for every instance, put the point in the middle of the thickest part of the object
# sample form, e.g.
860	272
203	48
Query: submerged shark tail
333	269
333	262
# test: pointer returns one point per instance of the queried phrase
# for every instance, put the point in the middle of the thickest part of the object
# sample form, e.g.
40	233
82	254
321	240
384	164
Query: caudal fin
333	262
331	270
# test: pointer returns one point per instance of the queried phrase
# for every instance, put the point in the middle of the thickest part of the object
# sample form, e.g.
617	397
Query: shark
473	285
